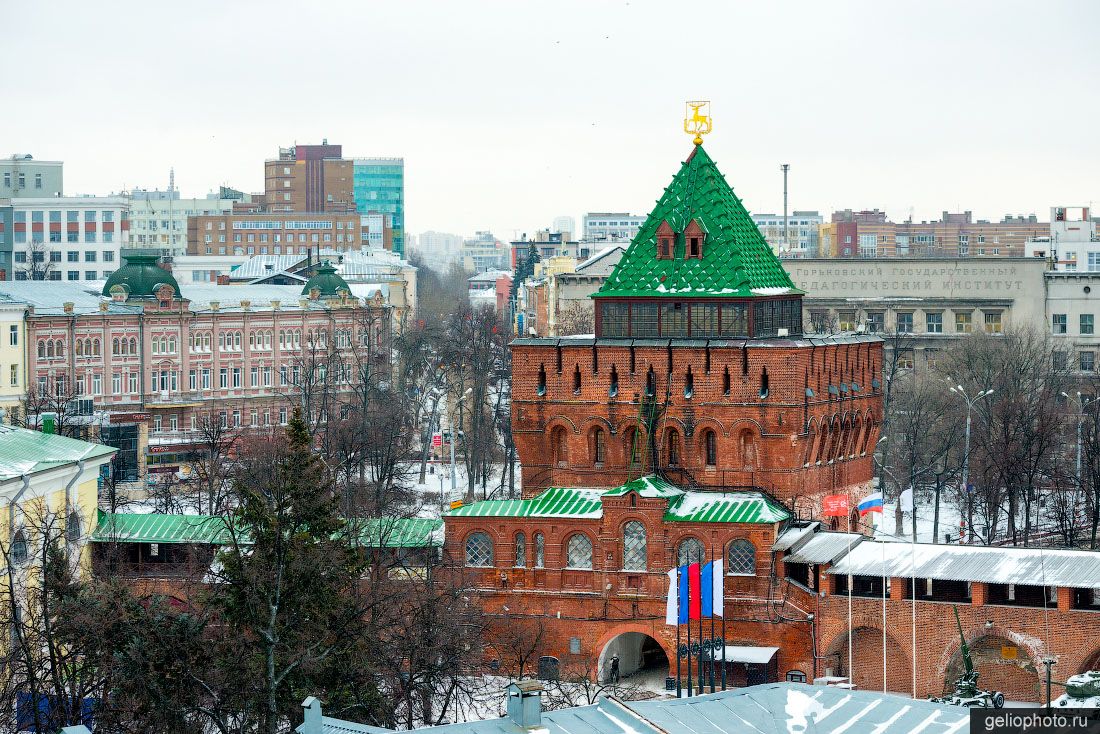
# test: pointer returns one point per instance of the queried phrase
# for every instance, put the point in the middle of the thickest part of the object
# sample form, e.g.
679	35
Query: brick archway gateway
1018	679
639	647
1091	661
866	668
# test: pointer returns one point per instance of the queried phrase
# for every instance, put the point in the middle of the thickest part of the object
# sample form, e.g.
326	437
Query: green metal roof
400	532
326	281
140	276
157	528
683	506
412	532
23	451
554	502
736	262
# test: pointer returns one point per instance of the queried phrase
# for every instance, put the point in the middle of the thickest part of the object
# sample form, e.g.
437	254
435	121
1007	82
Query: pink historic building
141	365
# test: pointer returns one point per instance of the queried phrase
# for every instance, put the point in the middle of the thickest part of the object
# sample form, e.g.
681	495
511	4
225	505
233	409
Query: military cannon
966	691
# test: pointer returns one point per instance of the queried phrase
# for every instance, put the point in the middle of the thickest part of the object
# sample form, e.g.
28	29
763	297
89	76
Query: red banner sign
835	505
437	439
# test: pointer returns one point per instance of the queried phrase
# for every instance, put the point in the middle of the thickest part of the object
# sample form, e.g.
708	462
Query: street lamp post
1081	404
970	401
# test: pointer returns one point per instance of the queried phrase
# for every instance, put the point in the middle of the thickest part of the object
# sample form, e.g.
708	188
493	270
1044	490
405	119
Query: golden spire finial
697	120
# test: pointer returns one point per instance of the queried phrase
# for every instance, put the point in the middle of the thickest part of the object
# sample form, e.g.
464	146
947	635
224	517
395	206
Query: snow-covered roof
773	707
825	547
992	565
619	247
793	535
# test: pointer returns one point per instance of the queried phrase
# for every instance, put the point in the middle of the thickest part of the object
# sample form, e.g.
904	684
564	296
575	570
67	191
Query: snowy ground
886	524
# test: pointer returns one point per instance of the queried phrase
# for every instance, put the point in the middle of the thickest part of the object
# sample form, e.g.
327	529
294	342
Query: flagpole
883	607
702	683
678	689
723	639
851	676
689	655
712	647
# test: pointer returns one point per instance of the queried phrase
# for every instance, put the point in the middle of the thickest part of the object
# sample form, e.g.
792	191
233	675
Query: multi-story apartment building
22	176
140	362
870	234
1073	243
273	233
485	252
158	219
438	248
309	178
379	188
798	239
62	238
13	365
611	226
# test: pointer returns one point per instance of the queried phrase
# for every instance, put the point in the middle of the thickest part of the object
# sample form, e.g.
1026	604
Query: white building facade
67	238
802	230
611	226
158	219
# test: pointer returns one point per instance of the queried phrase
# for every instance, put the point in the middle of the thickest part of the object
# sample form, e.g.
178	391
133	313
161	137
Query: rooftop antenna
786	233
172	179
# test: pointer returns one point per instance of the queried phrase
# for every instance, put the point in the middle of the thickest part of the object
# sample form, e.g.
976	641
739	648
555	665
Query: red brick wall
764	441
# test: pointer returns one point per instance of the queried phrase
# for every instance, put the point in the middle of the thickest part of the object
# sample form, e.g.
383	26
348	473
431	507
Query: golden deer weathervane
697	120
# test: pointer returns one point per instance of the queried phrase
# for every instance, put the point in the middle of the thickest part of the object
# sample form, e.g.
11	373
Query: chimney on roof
214	305
525	703
103	307
246	305
223	279
68	306
312	721
275	305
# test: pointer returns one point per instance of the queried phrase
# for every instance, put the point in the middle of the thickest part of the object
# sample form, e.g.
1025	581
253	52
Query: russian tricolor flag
695	591
870	503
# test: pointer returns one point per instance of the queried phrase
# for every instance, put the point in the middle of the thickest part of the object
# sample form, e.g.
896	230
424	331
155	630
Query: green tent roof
736	262
683	506
414	532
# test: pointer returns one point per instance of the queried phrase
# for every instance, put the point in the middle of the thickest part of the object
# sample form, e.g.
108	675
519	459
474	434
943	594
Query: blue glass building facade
379	186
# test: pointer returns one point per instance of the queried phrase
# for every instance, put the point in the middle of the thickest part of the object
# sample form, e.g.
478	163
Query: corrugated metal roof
725	507
1036	566
554	502
825	547
398	532
791	536
774	707
158	528
23	451
650	486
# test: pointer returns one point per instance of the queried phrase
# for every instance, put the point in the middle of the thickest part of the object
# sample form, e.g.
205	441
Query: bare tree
38	265
576	318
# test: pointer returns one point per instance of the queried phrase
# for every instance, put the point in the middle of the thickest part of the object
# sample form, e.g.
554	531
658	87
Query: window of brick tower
764	387
540	550
633	445
541	389
689	551
599	445
673	447
521	550
726	382
635	557
650	383
613	390
689	383
710	442
576	379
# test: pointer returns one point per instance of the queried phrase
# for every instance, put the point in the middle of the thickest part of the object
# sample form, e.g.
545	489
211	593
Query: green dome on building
327	282
140	276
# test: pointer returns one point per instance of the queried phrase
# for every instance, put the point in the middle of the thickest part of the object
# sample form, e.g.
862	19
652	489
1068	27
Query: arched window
633	445
96	347
60	348
578	551
689	383
764	388
614	389
576	379
690	551
560	446
479	550
741	558
710	446
72	527
635	557
49	349
41	350
540	550
726	382
599	445
114	346
673	447
79	347
650	382
541	389
521	550
19	551
133	346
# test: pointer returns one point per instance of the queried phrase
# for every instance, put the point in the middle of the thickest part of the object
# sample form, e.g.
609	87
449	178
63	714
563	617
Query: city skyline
951	114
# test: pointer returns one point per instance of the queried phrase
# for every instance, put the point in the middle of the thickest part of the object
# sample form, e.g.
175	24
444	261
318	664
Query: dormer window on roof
666	241
693	240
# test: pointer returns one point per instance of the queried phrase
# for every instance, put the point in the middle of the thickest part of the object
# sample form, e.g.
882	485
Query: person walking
614	668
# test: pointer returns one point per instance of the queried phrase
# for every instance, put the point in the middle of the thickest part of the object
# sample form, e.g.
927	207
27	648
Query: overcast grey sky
510	113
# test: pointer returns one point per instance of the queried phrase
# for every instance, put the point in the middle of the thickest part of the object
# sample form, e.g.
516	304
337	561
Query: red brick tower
699	370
